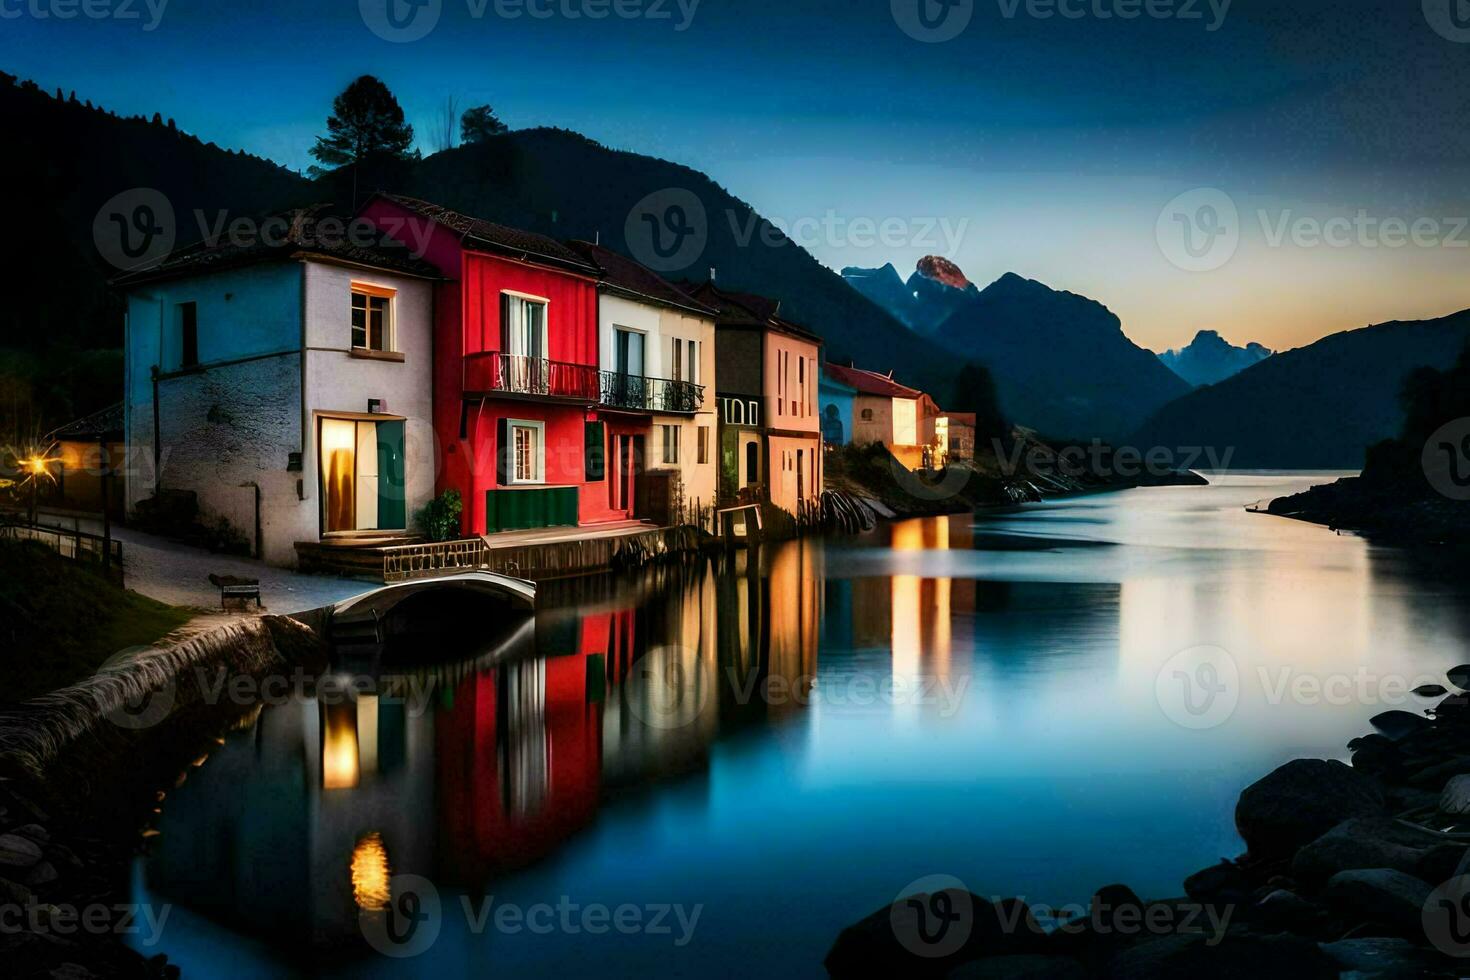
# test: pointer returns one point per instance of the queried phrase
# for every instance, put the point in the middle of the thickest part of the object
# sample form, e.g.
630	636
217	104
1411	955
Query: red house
516	379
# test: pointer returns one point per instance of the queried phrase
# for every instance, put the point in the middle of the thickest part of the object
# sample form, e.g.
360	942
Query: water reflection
693	733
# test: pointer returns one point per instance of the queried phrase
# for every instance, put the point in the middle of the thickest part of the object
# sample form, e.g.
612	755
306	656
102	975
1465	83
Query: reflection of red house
516	376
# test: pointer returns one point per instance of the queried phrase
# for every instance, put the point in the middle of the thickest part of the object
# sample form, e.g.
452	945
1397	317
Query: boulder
1435	775
33	831
1455	797
928	935
1371	842
1379	895
1430	690
1459	676
1301	801
1396	725
1237	954
1021	968
18	852
1373	958
42	874
1224	884
1287	911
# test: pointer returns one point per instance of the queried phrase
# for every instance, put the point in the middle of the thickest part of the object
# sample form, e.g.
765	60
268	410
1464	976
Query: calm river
709	771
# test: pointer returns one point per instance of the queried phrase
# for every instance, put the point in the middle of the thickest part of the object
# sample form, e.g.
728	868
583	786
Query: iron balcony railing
517	374
642	394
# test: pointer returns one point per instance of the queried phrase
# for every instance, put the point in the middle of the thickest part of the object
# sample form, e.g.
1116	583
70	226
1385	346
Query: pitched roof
626	276
317	230
477	233
104	422
871	382
746	310
963	418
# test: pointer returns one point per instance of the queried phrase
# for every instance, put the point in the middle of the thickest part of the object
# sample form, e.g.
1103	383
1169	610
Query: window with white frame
527	451
671	443
372	318
522	325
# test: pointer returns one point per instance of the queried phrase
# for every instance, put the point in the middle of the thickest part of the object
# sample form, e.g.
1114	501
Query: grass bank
60	621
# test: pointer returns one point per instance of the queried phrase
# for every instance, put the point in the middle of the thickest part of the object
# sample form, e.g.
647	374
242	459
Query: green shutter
595	451
520	510
392	501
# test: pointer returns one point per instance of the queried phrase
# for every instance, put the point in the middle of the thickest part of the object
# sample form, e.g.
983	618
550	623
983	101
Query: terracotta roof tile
871	382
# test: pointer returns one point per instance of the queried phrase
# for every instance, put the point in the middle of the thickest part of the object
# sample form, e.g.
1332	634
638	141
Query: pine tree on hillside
479	124
366	122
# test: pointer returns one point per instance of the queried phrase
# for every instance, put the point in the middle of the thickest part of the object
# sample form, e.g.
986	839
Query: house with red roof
900	417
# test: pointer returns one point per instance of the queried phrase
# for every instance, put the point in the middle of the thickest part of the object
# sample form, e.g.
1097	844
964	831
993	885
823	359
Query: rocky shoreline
1358	870
84	773
1399	513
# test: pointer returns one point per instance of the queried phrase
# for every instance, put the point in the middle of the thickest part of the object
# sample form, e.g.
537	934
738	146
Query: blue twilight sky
1052	138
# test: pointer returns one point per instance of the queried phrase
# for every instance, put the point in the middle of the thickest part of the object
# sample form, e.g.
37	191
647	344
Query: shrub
438	520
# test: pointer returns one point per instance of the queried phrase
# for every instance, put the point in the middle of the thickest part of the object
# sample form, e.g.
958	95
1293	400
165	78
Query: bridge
370	608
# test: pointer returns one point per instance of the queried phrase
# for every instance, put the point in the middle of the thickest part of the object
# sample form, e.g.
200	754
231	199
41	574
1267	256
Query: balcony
514	374
640	394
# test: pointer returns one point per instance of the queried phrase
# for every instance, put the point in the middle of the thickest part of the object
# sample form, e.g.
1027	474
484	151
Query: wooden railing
412	561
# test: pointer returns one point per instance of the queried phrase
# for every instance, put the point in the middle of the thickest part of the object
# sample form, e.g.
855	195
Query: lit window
372	318
522	326
528	458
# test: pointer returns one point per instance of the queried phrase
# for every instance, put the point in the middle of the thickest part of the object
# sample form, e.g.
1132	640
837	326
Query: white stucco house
284	379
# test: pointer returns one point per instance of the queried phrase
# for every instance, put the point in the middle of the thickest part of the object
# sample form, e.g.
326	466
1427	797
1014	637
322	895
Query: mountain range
1061	362
1316	407
1210	358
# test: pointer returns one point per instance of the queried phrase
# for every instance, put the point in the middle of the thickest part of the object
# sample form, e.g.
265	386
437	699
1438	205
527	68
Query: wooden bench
239	589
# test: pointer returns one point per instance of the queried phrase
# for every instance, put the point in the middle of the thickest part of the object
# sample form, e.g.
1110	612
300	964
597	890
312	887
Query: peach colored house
770	424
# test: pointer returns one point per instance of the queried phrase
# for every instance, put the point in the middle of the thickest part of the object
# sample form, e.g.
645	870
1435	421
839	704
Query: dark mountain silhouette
934	290
885	287
63	161
564	185
1210	358
1061	361
1316	407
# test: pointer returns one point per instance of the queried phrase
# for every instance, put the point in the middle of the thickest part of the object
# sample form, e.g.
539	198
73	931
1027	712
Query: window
188	334
703	444
527	452
678	360
372	318
671	443
692	374
801	382
867	415
522	325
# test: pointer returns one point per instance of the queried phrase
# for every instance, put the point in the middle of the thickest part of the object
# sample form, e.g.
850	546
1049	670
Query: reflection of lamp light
339	748
370	874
